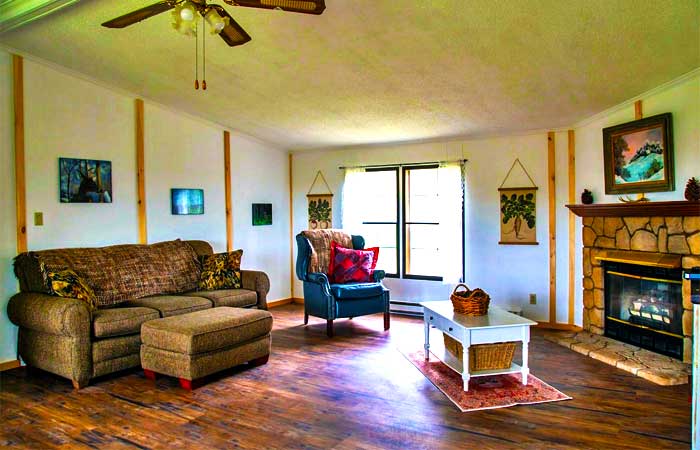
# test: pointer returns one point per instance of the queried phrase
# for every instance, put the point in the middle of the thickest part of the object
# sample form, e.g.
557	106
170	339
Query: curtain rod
377	166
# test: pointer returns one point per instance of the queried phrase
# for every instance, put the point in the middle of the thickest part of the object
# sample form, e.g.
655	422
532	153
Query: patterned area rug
488	392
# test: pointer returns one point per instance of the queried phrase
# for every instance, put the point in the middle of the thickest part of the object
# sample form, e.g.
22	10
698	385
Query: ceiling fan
215	15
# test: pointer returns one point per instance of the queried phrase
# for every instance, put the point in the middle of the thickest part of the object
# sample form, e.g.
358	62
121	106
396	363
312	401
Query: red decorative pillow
348	265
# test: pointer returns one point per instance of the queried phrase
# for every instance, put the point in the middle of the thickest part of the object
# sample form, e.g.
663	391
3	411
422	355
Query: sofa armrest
259	282
49	314
378	275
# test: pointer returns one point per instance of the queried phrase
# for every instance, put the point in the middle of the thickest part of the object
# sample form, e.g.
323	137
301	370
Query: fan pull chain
196	61
204	56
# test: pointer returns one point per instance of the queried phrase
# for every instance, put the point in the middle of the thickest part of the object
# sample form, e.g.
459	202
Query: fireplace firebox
644	306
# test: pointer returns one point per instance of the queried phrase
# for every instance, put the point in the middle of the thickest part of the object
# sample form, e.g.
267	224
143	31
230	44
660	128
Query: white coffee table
497	326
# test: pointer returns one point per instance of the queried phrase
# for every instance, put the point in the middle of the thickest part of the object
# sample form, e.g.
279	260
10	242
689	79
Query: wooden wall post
551	188
20	179
572	224
638	110
291	229
227	189
141	172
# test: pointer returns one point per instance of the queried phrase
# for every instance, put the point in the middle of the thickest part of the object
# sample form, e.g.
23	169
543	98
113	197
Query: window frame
397	223
404	225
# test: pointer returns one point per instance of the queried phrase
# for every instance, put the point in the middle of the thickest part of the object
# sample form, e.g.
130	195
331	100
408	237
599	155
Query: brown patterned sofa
133	284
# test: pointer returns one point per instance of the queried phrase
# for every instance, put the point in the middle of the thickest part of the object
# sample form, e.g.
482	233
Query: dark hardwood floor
353	391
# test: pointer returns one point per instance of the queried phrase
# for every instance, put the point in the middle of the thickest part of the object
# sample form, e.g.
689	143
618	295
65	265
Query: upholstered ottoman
197	344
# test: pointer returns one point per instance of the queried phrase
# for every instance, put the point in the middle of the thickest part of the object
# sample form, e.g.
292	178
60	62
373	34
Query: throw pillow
66	283
348	265
221	271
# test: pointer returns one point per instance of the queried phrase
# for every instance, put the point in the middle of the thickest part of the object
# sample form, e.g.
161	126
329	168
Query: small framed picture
186	201
639	156
262	214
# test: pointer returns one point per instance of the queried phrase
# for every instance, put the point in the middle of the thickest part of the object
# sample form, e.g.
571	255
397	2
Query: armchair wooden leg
306	318
386	321
329	328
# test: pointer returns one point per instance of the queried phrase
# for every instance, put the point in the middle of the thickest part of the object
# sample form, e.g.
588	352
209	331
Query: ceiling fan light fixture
215	21
187	11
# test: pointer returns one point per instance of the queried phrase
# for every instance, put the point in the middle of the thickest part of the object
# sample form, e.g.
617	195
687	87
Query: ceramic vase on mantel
586	197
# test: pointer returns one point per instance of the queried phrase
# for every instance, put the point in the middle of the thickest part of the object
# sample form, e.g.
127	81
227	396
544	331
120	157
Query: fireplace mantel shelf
641	209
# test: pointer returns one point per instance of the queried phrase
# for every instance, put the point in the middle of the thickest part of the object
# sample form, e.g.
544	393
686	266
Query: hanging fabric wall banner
320	205
518	212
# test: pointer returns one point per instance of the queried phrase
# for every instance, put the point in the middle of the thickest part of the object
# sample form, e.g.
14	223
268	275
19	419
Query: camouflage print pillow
67	283
221	271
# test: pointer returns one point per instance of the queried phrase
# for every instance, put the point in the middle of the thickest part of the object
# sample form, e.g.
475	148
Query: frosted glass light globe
187	12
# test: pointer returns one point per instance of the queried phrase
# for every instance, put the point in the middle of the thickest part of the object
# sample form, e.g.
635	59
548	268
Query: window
417	224
421	223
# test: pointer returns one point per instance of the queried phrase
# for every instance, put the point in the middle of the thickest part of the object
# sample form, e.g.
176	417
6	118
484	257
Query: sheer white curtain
449	235
355	194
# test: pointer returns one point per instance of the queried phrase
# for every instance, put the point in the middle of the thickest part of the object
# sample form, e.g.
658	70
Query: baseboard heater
406	308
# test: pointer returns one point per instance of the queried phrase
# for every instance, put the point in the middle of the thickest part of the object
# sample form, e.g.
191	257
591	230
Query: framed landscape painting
639	156
186	201
84	180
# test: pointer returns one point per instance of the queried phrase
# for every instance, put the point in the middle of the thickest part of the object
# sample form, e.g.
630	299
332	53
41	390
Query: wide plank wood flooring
353	391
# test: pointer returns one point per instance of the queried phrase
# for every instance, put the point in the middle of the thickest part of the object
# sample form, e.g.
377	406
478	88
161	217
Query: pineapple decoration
692	190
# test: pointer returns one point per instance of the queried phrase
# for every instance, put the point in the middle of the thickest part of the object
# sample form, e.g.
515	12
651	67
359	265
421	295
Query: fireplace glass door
643	306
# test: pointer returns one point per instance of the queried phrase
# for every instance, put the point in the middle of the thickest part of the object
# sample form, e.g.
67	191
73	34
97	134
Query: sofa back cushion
120	272
320	241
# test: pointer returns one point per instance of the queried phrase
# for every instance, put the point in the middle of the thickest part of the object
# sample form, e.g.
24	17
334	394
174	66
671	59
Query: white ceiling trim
628	103
15	13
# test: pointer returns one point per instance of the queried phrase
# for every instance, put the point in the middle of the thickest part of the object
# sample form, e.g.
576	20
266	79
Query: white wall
261	175
508	272
183	153
8	240
69	116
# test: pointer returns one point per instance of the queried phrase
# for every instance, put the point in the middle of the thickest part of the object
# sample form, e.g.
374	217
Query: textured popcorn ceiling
373	71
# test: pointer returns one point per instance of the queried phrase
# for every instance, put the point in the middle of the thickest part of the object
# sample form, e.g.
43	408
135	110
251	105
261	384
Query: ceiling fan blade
299	6
138	15
233	34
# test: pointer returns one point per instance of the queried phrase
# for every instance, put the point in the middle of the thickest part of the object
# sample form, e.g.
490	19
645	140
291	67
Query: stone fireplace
653	236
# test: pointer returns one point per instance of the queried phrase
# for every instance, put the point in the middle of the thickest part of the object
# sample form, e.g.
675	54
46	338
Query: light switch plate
38	219
533	299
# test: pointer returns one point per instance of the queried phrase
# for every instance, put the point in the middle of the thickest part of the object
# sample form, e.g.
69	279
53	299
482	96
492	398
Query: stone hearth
649	236
651	366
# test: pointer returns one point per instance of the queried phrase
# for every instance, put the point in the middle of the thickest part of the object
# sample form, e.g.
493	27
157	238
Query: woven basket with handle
470	302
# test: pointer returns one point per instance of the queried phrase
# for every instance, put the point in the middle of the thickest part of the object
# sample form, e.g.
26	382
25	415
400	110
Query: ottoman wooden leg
306	318
386	321
185	384
329	328
151	375
259	361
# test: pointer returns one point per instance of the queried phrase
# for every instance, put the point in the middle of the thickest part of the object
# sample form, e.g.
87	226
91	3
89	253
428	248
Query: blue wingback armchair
333	301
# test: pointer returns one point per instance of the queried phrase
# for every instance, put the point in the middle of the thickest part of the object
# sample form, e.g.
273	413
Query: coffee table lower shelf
455	364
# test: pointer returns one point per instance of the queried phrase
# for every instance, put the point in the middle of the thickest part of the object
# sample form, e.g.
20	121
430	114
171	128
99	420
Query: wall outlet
38	219
533	299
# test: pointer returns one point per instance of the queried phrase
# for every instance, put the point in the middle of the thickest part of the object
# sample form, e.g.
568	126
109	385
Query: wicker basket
470	303
483	356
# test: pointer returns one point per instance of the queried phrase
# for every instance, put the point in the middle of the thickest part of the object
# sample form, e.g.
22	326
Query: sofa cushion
221	271
172	305
205	331
115	347
122	272
66	283
239	298
120	321
356	290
